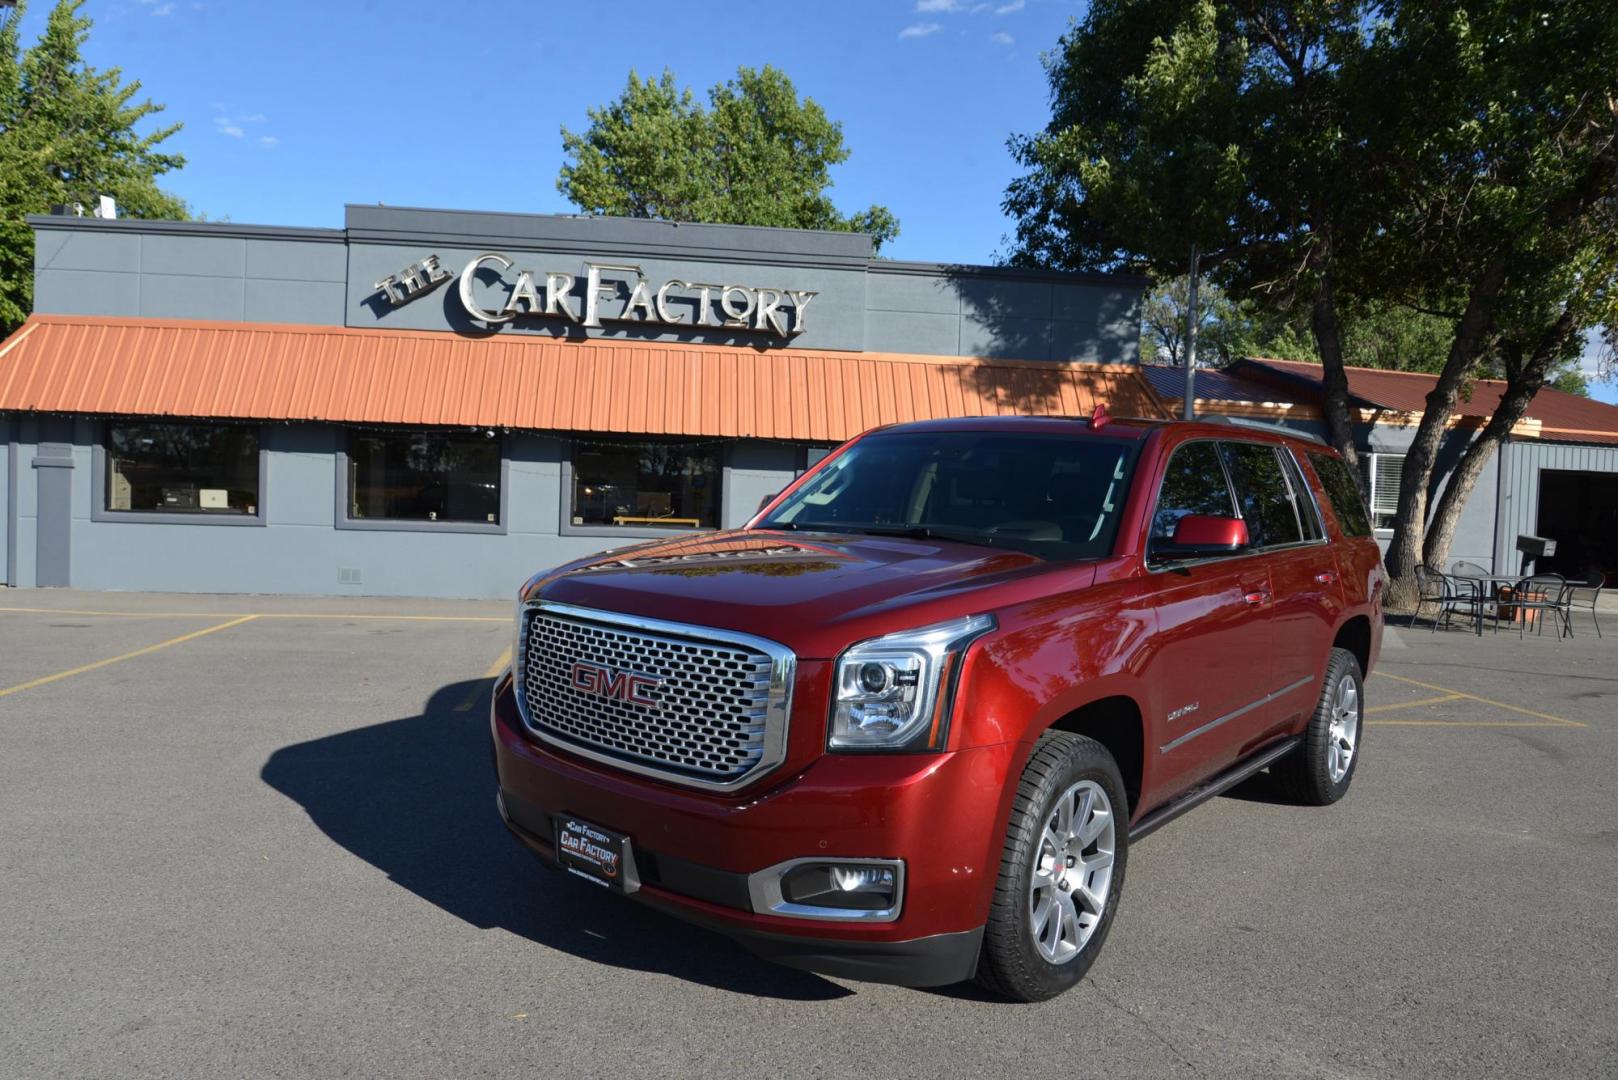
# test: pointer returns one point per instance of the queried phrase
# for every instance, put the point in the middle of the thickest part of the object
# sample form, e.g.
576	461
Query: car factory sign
606	292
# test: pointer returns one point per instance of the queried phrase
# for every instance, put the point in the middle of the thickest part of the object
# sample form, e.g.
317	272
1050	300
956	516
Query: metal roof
129	366
1562	416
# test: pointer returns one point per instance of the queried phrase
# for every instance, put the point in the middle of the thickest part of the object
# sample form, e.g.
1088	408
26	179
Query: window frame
1157	495
638	532
1371	458
100	466
342	502
1230	490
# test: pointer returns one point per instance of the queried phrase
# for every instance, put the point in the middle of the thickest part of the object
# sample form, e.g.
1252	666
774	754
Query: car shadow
414	797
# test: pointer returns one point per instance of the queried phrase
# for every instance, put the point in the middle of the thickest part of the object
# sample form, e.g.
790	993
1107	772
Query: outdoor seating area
1524	601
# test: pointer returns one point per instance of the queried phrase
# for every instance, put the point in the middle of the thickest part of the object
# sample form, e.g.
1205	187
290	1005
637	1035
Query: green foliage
756	155
67	135
1227	330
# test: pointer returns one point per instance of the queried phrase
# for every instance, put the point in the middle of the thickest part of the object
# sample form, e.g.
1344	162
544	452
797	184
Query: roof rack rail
1259	425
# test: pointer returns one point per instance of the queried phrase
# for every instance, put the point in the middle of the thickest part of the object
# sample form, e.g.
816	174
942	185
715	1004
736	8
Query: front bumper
940	813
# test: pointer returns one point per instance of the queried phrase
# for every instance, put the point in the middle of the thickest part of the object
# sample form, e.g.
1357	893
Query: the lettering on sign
555	295
417	279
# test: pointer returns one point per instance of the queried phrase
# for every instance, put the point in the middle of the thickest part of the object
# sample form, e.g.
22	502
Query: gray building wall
7	488
1523	462
300	550
176	270
328	277
58	530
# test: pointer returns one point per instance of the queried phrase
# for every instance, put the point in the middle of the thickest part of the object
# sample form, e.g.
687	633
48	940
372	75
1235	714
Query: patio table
1486	585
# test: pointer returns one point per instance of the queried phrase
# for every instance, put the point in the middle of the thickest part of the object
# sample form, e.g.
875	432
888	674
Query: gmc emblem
628	686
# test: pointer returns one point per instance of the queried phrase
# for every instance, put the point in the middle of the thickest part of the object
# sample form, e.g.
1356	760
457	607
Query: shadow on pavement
415	798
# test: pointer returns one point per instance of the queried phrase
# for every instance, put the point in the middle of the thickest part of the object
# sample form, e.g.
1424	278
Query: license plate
598	855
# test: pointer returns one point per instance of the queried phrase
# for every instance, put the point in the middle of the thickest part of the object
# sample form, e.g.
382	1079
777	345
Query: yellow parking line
1413	704
1472	723
494	671
1484	701
20	687
257	615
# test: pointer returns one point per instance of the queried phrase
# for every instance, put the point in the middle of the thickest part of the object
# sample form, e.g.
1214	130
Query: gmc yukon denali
905	724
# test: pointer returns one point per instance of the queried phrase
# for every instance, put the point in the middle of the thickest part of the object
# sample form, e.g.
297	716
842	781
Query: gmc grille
697	706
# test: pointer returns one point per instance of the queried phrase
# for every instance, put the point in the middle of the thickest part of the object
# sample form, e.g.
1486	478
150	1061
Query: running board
1201	794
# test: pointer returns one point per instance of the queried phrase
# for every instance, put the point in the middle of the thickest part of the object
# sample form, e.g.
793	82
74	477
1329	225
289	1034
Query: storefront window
663	485
423	476
182	468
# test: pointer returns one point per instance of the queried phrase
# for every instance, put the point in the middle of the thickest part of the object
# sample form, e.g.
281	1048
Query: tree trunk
1523	382
1409	521
1334	381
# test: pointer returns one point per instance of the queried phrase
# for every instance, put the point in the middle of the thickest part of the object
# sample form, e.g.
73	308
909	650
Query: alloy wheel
1344	731
1072	872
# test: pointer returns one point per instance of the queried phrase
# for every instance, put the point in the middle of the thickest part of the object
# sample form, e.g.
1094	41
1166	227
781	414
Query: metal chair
1450	596
1546	593
1585	597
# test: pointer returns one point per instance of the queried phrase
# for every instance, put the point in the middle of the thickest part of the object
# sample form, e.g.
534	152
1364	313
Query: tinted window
1194	483
1342	492
423	476
1261	492
658	484
182	468
1055	496
1302	499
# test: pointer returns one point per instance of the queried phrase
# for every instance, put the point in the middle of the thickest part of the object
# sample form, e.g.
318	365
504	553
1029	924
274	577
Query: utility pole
1190	409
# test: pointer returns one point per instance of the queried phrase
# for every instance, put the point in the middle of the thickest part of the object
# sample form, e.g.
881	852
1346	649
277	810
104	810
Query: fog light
845	886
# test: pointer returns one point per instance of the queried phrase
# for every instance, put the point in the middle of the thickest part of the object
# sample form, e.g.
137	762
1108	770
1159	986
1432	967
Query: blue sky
293	109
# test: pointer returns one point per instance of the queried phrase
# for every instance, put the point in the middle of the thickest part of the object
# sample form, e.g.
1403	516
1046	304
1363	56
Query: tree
67	135
757	155
1226	330
1375	161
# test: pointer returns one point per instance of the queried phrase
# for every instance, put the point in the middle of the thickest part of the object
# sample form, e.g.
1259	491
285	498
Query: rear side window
1261	492
1194	483
1342	492
1303	501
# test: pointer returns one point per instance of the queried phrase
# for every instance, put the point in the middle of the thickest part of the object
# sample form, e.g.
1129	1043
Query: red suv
905	724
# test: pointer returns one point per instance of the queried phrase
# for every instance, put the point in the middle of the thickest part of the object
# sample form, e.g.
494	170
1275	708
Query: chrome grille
707	708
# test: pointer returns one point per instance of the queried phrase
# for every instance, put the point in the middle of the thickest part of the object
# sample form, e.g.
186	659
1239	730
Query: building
431	402
1555	476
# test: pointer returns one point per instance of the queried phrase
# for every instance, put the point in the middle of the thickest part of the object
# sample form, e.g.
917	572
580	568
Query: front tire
1061	872
1319	771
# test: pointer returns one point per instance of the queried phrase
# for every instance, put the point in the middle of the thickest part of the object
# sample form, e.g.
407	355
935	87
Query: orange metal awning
159	367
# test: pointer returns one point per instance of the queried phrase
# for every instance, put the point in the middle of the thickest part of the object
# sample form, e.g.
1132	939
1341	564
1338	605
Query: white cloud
159	9
1007	9
1002	38
235	127
919	30
268	142
936	7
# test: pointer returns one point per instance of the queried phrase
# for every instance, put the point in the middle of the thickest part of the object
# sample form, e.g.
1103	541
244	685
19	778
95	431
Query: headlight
891	693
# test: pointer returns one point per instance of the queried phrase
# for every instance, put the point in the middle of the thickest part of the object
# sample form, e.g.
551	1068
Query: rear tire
1319	771
1061	871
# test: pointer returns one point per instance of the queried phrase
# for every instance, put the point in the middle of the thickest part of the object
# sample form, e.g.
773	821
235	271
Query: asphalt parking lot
245	836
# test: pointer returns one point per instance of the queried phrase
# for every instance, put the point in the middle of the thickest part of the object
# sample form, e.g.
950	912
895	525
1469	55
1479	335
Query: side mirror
1201	536
766	500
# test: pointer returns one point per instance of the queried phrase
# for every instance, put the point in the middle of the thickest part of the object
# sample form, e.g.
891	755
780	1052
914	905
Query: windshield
1056	496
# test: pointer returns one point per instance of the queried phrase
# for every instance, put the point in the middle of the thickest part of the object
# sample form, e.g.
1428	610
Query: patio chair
1449	594
1585	597
1543	593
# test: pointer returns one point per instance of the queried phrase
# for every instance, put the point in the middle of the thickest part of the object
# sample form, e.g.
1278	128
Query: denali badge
1184	710
629	686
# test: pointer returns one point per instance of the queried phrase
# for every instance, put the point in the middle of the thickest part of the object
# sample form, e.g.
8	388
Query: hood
814	592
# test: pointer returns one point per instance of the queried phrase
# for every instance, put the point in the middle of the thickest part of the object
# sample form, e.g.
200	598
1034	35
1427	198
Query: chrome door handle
1256	597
